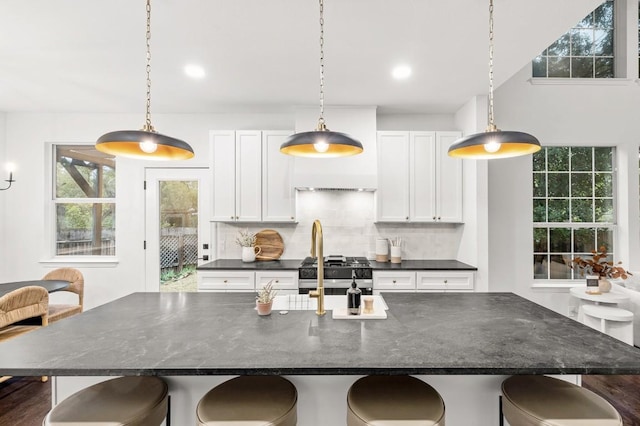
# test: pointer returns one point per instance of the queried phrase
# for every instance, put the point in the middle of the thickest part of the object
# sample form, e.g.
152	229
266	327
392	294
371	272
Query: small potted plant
247	241
264	299
600	267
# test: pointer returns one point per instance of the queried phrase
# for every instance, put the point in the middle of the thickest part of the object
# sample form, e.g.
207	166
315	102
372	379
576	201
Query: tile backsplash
348	227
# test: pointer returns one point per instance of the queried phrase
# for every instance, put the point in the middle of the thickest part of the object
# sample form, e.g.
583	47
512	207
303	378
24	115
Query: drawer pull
394	281
445	281
225	281
277	281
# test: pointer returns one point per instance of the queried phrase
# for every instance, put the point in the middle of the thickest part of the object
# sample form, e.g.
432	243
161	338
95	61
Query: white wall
571	114
3	203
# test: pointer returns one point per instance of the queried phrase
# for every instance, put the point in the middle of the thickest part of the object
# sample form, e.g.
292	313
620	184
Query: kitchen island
462	344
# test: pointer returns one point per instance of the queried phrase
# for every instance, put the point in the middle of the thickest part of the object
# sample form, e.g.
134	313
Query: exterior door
177	229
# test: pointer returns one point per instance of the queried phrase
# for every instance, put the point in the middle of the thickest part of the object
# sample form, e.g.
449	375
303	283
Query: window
84	200
585	51
573	207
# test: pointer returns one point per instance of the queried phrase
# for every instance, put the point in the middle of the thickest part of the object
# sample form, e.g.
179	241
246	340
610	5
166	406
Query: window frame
49	256
557	283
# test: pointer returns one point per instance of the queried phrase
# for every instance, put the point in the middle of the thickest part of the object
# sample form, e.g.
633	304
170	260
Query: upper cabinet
251	178
417	180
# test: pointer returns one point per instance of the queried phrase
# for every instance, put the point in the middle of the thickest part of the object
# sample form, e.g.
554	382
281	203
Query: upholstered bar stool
393	401
546	401
125	401
249	400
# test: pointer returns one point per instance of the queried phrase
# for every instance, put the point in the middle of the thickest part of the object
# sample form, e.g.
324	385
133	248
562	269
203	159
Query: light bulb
10	167
148	146
321	146
492	147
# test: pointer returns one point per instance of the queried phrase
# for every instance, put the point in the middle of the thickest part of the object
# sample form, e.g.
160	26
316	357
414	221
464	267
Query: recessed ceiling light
194	71
401	72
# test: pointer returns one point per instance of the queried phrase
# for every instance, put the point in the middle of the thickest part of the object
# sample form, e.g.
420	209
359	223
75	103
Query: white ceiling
89	55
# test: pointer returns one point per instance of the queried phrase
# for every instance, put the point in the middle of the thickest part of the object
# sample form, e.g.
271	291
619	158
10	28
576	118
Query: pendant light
145	143
494	143
321	143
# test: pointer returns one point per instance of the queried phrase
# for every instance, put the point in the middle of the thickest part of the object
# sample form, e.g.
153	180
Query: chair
249	400
76	285
124	401
547	401
21	304
393	401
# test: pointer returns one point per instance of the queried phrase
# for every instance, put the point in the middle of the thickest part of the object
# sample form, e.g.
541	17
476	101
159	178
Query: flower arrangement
266	293
598	265
245	238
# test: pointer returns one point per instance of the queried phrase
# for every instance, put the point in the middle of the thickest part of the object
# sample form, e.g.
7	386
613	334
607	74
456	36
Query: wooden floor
24	401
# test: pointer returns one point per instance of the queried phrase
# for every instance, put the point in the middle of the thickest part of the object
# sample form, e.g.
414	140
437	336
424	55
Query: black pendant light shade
144	145
321	144
494	144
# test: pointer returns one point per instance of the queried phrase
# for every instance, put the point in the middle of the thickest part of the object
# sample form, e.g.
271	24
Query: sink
338	304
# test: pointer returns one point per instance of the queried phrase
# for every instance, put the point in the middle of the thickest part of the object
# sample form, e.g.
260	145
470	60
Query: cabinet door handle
438	217
231	217
407	217
225	281
277	281
394	281
434	218
446	281
292	218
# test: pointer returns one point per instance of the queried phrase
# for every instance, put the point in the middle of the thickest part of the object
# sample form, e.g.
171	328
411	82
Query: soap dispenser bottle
354	295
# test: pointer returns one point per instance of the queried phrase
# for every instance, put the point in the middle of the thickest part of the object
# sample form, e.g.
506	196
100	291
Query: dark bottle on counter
354	295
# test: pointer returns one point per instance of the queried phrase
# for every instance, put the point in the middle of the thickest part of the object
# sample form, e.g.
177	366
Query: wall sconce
10	180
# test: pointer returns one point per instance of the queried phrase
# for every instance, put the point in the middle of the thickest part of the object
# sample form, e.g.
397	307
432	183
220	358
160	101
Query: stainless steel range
338	273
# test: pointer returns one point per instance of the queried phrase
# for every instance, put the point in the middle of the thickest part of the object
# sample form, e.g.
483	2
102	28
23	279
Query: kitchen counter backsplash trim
293	264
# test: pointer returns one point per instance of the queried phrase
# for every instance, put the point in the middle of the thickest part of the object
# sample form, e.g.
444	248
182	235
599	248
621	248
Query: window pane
559	270
558	185
559	240
587	22
539	185
540	267
539	161
560	47
603	159
558	210
540	66
603	185
604	68
584	240
581	210
581	159
581	185
605	238
84	229
559	67
558	158
603	43
603	15
539	210
604	210
581	42
84	172
581	67
540	240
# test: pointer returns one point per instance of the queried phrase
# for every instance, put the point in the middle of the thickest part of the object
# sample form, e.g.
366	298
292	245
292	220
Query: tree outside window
84	197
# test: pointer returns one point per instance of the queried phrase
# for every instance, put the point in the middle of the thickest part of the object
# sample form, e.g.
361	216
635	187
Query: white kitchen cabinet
417	180
252	180
282	280
278	193
226	281
447	281
394	281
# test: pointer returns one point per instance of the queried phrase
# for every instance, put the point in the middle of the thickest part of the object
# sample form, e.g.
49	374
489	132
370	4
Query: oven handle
334	283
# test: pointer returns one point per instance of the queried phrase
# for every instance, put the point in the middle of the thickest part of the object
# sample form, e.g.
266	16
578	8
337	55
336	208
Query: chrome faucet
316	250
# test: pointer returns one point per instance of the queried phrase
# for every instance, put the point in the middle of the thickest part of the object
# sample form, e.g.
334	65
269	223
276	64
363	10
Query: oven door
335	286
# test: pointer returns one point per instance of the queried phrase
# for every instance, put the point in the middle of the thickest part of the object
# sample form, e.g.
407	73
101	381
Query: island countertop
174	334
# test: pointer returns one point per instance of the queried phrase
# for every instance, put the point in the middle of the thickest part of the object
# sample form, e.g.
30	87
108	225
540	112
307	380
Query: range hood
358	172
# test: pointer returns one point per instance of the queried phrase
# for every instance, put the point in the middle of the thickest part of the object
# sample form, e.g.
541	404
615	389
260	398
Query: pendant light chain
492	125
148	127
321	125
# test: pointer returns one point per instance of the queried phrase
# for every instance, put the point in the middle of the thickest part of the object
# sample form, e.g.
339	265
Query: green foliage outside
179	204
172	275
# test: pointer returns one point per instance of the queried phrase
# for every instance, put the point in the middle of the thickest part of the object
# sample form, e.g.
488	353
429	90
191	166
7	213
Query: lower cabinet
286	282
423	281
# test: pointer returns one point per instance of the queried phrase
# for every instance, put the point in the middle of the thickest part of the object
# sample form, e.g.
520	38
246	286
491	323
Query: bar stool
546	401
615	322
393	401
249	400
125	401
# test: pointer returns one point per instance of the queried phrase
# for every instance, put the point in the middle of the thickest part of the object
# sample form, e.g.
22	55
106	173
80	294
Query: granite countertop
293	264
221	334
235	264
423	265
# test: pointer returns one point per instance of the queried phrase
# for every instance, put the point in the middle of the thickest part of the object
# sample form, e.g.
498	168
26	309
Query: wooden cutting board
271	244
